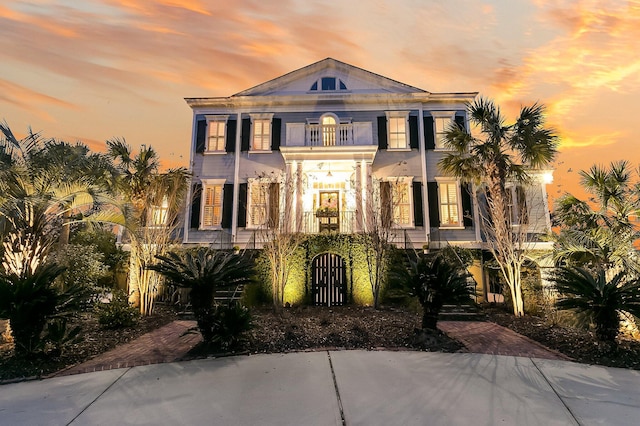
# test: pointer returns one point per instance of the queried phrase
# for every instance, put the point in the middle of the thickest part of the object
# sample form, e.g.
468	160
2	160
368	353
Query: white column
299	193
358	189
289	189
368	202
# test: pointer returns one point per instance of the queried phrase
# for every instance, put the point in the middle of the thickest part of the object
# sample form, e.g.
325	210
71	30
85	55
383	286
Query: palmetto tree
596	299
154	201
600	232
35	198
501	153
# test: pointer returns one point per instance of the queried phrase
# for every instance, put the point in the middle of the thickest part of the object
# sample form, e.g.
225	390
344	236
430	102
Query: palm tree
204	271
154	201
501	154
37	198
597	300
436	282
603	236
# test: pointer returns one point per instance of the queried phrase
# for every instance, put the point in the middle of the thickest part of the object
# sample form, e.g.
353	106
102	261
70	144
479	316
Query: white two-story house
330	145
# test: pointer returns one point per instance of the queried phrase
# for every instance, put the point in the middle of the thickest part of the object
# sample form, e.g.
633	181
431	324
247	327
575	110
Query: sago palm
437	282
492	155
203	271
596	300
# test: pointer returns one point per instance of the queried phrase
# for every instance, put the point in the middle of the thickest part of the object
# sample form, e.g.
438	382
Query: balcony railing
329	135
341	222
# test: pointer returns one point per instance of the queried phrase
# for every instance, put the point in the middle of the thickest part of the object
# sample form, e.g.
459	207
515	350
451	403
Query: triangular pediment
329	76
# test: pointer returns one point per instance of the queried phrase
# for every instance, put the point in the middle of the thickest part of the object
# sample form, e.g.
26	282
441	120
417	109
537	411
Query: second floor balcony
329	135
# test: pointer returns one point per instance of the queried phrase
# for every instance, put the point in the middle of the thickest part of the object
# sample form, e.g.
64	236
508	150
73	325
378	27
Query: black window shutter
382	133
200	136
227	205
231	136
413	132
434	204
242	207
196	198
386	208
429	135
246	134
276	131
274	205
467	212
418	212
460	122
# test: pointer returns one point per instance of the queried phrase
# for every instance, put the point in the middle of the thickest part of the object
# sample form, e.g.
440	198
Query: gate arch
329	280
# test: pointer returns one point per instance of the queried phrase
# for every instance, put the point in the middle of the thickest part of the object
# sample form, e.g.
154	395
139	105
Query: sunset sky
91	70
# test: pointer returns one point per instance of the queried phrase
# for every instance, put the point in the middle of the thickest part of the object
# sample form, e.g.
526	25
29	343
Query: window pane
397	132
328	83
261	135
449	204
401	204
216	135
212	212
442	124
259	203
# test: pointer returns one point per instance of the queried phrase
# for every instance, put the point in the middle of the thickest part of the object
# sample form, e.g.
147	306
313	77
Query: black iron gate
329	280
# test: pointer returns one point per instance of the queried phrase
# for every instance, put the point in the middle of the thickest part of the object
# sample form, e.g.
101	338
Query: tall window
329	126
216	135
261	135
212	205
517	205
258	203
397	129
449	204
158	214
401	204
442	121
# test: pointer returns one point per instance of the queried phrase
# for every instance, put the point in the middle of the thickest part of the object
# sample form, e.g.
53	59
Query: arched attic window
328	84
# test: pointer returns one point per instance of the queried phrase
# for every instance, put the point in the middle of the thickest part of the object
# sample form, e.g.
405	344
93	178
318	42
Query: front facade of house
332	148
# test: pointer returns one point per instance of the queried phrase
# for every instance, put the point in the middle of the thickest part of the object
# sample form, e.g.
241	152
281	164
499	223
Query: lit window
401	204
442	122
159	214
449	203
258	203
261	135
212	206
397	132
216	135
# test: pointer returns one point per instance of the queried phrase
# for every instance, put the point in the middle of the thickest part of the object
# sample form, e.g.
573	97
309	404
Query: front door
329	212
329	280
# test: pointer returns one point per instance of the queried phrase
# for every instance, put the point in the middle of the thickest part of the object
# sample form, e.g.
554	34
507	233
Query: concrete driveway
334	388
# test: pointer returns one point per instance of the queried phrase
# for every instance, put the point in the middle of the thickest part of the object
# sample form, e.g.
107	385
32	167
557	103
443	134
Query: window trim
205	184
250	183
261	117
449	181
408	181
440	115
398	115
215	119
161	211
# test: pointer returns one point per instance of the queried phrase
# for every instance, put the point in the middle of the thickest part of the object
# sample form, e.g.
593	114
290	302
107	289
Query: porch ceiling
318	153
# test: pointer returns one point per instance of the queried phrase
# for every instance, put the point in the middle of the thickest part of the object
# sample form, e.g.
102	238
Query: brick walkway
491	338
166	344
169	343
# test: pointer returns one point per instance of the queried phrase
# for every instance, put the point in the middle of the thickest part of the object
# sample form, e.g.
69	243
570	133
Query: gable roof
300	80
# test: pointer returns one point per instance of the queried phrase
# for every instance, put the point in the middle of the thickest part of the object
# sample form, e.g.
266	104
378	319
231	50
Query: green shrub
84	267
255	294
228	324
31	301
117	313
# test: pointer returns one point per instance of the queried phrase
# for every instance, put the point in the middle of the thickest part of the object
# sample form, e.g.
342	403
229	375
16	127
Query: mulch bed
580	345
95	340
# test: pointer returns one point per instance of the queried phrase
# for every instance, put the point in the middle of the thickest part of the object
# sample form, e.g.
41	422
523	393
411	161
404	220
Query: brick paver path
491	338
166	344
